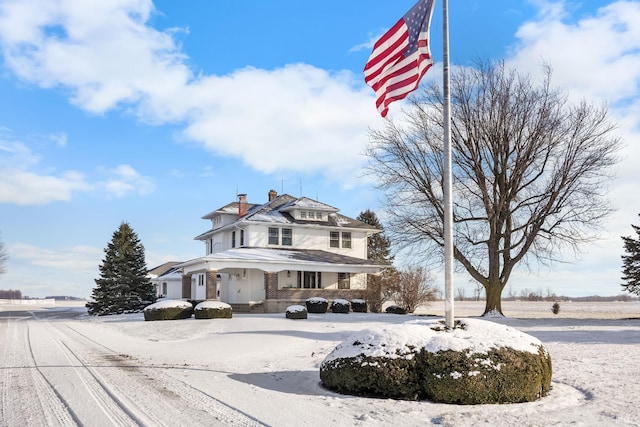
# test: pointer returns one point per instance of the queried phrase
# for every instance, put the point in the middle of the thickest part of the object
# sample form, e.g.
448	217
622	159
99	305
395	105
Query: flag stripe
401	57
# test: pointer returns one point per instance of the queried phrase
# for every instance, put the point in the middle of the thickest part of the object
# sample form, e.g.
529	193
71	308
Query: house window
319	215
274	237
346	239
164	288
334	239
287	234
310	279
233	239
303	215
241	237
344	280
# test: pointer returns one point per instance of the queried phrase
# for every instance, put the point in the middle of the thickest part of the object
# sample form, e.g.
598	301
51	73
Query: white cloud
24	181
295	118
75	259
39	272
596	57
124	180
21	184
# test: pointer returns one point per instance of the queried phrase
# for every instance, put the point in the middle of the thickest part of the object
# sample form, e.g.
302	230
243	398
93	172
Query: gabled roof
278	211
229	209
162	269
277	259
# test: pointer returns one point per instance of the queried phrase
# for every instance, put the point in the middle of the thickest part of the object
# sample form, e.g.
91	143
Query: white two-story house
265	257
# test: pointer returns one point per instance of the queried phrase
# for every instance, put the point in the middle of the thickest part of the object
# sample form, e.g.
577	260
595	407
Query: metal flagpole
448	205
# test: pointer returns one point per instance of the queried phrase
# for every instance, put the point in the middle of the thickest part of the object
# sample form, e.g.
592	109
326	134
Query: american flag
401	57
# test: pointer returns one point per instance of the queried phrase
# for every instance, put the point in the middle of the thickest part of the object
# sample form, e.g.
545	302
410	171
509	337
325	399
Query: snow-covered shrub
296	312
475	363
340	306
358	306
168	310
317	305
213	310
395	309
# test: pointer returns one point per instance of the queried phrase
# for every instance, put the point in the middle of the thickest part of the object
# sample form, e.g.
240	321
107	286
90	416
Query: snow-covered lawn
59	366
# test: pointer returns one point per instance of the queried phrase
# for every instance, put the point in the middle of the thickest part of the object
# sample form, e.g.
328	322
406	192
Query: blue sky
157	113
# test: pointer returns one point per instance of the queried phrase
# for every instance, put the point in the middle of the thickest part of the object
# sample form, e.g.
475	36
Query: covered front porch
268	280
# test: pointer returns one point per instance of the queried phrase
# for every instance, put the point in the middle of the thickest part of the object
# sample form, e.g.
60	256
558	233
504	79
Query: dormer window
310	215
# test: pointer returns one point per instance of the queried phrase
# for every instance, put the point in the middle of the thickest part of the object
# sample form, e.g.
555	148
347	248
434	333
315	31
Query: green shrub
340	306
395	309
367	376
155	312
359	306
424	365
501	375
296	312
317	305
213	310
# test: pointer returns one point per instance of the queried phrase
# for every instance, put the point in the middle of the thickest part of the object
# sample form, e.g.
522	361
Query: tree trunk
493	304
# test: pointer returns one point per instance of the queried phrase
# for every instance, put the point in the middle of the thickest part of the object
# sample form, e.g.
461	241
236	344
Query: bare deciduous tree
4	256
414	288
529	173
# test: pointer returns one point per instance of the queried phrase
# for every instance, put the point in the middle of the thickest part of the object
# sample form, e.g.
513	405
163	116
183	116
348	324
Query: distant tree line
10	294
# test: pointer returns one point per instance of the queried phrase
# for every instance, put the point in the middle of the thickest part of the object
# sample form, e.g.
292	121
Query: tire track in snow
21	376
153	389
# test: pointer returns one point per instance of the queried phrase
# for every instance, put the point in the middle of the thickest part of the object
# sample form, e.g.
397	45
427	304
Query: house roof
273	260
162	269
277	211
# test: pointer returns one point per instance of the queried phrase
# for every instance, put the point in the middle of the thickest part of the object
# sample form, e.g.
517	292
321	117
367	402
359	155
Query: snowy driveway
51	374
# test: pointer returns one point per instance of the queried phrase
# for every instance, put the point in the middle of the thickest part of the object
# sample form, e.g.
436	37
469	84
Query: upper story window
274	235
280	236
339	239
233	239
287	236
241	237
311	215
334	239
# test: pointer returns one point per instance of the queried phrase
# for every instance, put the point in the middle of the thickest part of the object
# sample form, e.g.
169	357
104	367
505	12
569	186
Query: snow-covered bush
395	309
213	310
340	306
296	312
168	310
358	306
317	305
475	363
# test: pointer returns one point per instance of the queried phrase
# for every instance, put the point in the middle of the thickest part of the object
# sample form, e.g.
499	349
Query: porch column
186	286
271	285
211	279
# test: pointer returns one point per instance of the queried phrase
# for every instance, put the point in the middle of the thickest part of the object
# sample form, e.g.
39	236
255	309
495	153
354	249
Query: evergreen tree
378	245
380	288
123	286
631	263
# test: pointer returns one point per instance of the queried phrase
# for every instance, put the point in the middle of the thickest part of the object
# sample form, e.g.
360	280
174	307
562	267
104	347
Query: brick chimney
242	205
272	195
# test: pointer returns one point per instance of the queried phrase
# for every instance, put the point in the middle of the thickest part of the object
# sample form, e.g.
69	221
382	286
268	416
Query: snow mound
216	305
170	303
296	308
392	341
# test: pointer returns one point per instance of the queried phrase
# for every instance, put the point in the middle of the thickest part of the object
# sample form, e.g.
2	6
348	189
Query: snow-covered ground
59	366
